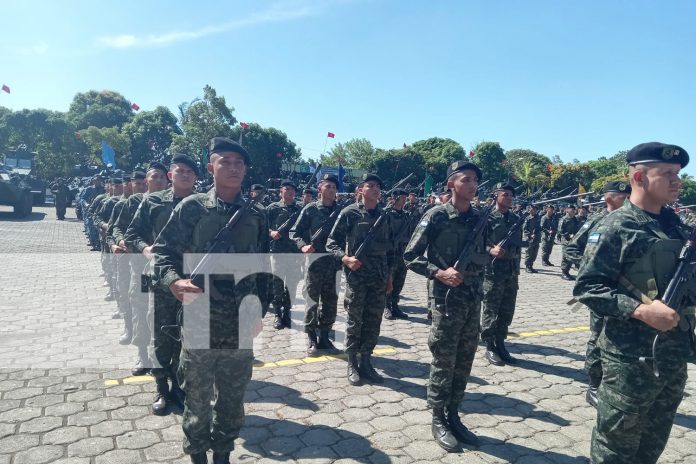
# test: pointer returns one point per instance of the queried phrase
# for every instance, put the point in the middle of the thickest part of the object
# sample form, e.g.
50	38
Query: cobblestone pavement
66	395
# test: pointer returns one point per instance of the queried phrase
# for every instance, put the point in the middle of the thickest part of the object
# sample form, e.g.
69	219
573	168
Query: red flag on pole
5	88
330	134
135	106
471	154
244	125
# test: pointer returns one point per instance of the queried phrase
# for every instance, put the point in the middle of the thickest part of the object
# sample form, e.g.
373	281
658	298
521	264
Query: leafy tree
532	175
609	167
490	157
119	141
356	153
150	134
437	154
393	165
599	183
99	109
571	175
687	196
268	148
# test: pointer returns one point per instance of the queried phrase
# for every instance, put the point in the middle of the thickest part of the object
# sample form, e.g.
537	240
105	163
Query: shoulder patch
423	223
594	237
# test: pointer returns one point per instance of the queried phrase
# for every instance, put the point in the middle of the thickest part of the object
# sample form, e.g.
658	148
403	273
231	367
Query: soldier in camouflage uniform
501	282
149	220
367	281
221	373
628	261
320	282
532	235
614	195
399	218
549	226
88	197
284	280
434	248
101	222
568	227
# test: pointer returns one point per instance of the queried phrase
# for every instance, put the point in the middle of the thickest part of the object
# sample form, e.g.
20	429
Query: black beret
288	183
309	190
369	177
138	175
398	192
459	166
181	158
223	144
257	187
157	165
617	186
656	152
116	180
503	186
330	178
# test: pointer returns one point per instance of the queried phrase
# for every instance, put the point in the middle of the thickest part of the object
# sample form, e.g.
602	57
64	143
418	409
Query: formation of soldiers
469	251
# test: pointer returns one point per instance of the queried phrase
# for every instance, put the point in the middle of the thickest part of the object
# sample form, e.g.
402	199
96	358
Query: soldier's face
139	185
327	190
182	176
412	198
118	189
371	191
306	198
504	198
614	200
287	194
156	180
464	184
228	169
661	182
400	202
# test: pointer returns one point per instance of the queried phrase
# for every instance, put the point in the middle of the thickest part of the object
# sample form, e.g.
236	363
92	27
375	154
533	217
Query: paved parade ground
66	394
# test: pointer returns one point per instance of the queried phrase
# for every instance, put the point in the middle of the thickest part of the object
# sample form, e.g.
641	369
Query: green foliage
119	141
356	153
268	148
150	134
99	109
437	154
599	183
489	156
393	165
687	196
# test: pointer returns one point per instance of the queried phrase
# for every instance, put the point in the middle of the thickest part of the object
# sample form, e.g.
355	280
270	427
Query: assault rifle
285	227
505	243
398	184
322	234
370	236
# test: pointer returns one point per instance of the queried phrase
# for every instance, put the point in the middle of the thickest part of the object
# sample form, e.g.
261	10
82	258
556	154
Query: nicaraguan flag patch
594	237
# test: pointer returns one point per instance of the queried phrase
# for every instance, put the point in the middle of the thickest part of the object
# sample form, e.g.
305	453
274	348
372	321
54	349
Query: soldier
614	195
367	281
320	282
220	374
148	222
88	197
258	193
118	265
549	226
101	222
501	282
582	215
61	193
432	251
93	208
308	195
401	225
629	259
532	234
566	230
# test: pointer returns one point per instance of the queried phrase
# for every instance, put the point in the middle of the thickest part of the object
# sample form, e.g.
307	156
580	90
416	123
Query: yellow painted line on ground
330	358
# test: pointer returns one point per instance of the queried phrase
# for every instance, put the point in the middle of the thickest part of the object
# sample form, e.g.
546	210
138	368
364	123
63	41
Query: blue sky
575	79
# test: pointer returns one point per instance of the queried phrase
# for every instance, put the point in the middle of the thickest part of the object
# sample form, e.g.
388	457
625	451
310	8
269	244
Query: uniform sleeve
170	245
264	243
576	247
113	217
300	232
336	244
596	284
139	228
414	255
121	224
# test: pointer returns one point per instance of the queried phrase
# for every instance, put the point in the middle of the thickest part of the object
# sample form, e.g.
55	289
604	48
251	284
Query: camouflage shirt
311	219
532	229
149	219
575	249
278	213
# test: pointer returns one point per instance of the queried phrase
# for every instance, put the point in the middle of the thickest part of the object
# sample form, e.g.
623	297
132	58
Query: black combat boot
459	430
159	407
368	372
388	310
140	367
221	458
565	275
442	433
547	263
312	348
396	311
176	394
287	319
325	343
503	352
353	370
199	458
127	334
278	320
530	270
592	390
492	354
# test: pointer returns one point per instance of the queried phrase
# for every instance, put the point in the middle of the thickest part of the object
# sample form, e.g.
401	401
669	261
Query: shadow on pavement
9	216
383	340
688	422
273	393
561	371
517	346
511	452
489	403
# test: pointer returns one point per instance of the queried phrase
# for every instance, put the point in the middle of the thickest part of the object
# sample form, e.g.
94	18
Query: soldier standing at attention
101	219
61	192
637	247
219	374
148	222
284	280
308	195
367	281
566	230
320	283
400	223
502	274
432	252
532	234
549	226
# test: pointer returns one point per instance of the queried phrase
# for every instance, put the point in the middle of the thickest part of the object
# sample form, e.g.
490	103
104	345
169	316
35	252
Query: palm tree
532	174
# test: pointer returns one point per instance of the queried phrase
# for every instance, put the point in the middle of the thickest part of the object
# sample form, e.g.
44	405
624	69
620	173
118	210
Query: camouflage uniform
532	234
566	230
500	285
221	373
636	409
365	288
108	263
121	264
549	226
285	286
454	333
401	225
61	193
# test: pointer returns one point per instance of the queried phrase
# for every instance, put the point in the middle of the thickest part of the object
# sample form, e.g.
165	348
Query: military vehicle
21	162
15	192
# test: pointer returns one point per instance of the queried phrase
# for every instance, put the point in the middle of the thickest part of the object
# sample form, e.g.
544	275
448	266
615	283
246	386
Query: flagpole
323	152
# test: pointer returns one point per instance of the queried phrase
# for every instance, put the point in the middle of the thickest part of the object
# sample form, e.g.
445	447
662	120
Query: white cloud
278	12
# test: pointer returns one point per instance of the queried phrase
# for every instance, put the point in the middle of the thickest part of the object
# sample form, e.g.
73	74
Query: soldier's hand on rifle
657	315
275	235
351	262
147	252
450	277
184	290
116	249
497	251
308	249
122	244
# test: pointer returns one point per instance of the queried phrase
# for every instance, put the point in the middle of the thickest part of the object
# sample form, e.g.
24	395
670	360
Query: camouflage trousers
219	376
398	278
636	410
139	301
364	303
123	278
566	263
530	254
285	286
546	247
593	360
499	299
453	340
320	288
165	350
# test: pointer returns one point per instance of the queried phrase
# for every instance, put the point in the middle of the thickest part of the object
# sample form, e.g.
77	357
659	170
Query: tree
201	120
393	165
99	109
438	154
93	137
532	175
687	196
609	167
268	148
490	157
598	184
571	175
356	153
150	134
